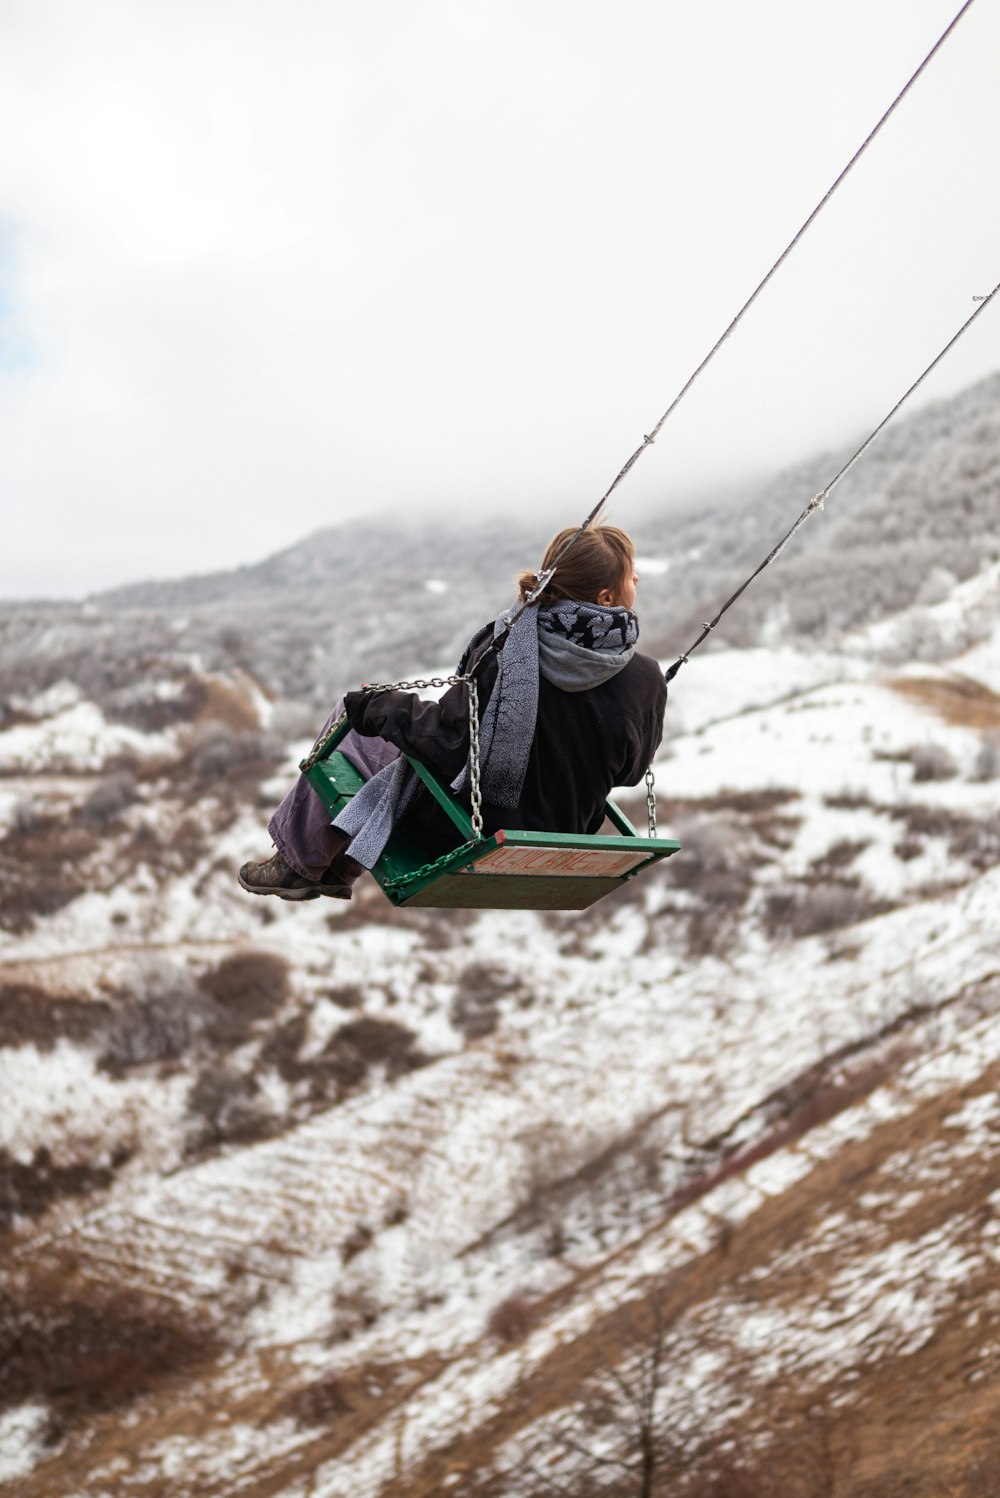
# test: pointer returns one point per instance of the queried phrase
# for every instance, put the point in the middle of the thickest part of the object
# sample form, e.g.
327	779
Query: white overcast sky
266	265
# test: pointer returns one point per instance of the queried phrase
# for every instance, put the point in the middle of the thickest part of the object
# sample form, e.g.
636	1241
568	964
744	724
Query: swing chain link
475	779
651	802
414	685
453	858
318	750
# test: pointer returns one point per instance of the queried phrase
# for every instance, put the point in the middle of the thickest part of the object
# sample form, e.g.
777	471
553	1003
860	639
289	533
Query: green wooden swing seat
507	871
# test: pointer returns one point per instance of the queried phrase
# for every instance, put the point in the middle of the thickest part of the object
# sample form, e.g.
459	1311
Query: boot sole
308	892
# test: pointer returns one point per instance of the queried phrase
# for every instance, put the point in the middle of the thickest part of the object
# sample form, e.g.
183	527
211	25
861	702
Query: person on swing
568	710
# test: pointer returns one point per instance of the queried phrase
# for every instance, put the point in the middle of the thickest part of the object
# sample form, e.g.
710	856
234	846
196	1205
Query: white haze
265	266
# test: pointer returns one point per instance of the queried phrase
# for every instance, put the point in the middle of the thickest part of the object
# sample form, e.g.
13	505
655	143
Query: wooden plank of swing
510	892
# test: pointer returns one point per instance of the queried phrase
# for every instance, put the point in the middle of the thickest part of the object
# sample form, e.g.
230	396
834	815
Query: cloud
267	266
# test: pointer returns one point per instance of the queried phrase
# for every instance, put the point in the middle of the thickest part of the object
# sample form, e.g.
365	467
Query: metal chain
414	685
318	750
475	783
427	869
651	801
650	437
817	502
475	778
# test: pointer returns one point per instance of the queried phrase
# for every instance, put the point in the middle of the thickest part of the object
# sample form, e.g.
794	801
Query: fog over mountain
365	602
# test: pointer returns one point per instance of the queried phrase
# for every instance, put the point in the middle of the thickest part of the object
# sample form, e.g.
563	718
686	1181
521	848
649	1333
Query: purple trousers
301	829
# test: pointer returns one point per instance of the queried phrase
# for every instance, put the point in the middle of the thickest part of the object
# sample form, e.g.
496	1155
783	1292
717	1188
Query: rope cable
650	437
817	502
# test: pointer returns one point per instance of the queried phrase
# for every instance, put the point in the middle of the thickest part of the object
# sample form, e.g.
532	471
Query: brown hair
603	557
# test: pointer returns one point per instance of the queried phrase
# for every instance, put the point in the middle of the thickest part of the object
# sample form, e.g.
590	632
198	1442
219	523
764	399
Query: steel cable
650	437
817	502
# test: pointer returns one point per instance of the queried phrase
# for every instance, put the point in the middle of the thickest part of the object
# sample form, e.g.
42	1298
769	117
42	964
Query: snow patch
76	737
22	1444
62	1100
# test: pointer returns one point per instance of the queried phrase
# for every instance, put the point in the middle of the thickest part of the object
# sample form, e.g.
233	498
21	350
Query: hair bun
598	558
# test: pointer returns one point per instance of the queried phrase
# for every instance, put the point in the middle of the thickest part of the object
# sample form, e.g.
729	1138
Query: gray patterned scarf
575	646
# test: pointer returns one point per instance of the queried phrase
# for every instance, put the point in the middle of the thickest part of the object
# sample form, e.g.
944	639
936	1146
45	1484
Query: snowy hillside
332	1201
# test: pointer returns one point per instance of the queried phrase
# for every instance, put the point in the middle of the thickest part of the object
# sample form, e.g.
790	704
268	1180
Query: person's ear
606	598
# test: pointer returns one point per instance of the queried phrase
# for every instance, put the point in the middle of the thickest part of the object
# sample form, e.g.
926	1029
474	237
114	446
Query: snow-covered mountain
696	1189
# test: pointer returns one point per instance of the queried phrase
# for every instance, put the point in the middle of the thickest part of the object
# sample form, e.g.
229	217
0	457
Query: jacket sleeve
648	726
435	733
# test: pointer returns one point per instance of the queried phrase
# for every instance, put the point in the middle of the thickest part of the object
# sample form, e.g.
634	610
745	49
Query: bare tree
617	1427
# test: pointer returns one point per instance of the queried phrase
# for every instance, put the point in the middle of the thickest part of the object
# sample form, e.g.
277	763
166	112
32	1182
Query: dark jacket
585	744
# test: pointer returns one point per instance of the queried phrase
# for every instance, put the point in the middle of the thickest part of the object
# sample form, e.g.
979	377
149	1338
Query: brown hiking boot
273	876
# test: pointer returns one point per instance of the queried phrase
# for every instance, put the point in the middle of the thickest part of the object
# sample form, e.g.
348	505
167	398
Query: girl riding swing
568	710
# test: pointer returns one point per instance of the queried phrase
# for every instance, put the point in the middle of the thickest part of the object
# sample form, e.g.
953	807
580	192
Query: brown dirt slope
851	1315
